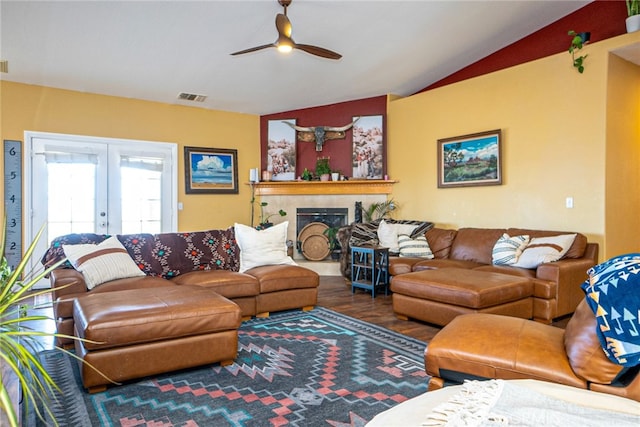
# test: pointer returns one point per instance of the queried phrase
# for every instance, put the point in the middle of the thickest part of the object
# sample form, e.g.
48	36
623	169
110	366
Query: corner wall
554	124
36	108
622	191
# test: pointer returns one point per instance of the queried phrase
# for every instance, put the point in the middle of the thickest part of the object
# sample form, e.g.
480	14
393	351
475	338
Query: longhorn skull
320	134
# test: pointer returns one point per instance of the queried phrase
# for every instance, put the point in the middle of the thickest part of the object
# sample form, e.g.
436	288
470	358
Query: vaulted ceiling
154	50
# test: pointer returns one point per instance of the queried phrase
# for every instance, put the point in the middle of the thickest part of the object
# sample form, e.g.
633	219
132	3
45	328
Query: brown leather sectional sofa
555	286
162	258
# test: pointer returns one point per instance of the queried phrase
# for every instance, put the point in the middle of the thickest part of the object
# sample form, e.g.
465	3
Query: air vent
4	66
191	97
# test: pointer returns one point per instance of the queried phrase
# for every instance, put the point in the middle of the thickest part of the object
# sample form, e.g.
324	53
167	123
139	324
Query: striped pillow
418	247
103	262
507	249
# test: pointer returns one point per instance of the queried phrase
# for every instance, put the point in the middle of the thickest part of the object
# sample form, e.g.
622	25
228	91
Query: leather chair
483	346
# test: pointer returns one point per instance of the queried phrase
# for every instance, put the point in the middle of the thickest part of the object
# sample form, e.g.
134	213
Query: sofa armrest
568	274
65	281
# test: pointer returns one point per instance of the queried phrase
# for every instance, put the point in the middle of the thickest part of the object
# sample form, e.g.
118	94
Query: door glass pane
71	198
141	191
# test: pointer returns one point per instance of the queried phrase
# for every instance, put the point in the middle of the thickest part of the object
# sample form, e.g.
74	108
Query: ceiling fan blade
283	25
253	49
318	51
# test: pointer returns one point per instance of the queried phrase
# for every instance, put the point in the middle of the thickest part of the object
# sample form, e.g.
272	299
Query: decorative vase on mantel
325	177
633	23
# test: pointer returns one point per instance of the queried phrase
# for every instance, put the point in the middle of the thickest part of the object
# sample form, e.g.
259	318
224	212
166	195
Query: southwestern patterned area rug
316	368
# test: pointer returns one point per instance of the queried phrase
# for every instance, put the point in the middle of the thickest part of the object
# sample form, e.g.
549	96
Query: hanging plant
578	40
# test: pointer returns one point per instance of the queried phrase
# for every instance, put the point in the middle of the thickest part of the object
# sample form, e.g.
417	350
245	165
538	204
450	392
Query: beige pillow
103	262
388	234
262	247
544	249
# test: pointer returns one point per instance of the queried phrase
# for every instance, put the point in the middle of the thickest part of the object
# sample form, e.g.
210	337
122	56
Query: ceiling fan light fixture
284	45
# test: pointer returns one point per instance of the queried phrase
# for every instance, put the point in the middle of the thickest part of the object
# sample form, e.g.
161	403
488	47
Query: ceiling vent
4	66
191	97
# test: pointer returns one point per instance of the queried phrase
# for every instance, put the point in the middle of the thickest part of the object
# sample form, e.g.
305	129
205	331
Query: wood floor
336	295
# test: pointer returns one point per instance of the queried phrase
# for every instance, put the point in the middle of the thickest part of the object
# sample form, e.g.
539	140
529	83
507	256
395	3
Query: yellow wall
623	157
554	128
36	108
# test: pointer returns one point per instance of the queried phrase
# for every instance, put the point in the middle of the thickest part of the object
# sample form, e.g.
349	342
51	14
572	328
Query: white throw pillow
507	249
544	249
388	234
262	247
103	262
418	247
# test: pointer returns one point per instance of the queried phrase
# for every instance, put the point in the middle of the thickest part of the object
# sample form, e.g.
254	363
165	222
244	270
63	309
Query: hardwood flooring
336	295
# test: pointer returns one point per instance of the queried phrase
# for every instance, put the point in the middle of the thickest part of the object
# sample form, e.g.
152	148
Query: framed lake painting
470	160
211	170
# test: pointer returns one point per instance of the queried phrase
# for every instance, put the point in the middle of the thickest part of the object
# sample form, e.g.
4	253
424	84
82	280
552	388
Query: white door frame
28	155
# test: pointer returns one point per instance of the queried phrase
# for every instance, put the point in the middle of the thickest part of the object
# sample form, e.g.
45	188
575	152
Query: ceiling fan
285	43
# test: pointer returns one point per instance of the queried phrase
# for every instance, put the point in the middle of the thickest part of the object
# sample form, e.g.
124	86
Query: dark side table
370	268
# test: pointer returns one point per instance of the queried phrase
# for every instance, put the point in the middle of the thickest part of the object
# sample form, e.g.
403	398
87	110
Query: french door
78	184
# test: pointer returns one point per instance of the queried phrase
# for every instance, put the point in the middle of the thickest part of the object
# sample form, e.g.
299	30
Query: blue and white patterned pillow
507	249
613	294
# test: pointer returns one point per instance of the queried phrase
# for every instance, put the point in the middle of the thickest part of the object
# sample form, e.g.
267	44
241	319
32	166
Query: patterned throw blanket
613	293
497	403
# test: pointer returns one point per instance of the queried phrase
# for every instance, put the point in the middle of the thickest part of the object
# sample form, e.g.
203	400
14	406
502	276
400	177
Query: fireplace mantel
294	188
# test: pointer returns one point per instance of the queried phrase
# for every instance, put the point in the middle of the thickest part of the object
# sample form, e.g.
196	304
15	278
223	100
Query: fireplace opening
332	217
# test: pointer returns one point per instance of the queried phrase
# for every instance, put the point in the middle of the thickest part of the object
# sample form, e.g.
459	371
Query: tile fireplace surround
315	194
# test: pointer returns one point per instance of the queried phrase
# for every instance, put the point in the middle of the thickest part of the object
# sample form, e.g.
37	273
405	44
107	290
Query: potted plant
265	219
334	244
379	210
578	40
18	342
633	19
323	170
307	175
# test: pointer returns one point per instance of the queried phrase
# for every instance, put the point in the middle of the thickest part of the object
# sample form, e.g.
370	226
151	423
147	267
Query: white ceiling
153	50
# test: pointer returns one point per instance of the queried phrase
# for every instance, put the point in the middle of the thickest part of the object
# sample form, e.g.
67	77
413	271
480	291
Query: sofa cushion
100	263
507	249
418	247
576	250
274	278
229	284
440	241
262	247
475	244
544	249
583	348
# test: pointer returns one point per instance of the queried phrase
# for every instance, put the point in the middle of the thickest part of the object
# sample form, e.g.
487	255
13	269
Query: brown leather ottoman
145	332
438	296
481	346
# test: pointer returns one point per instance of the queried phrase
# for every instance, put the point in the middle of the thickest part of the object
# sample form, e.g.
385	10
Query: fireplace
332	217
